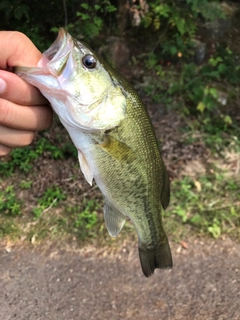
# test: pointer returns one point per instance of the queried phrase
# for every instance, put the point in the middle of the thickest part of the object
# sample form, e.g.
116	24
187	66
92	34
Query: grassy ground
44	195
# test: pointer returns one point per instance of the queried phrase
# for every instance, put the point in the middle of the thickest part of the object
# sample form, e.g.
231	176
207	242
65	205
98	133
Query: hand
23	110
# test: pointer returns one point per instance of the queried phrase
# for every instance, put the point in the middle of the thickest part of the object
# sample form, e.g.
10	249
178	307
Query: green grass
9	229
51	197
22	159
10	205
209	203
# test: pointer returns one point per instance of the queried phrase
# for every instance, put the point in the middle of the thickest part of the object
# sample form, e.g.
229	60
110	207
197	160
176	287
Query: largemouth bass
116	143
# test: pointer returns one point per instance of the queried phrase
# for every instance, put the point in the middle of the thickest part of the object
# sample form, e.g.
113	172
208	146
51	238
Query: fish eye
89	61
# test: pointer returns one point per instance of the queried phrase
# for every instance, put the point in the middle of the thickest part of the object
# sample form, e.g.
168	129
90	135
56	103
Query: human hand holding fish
23	109
116	143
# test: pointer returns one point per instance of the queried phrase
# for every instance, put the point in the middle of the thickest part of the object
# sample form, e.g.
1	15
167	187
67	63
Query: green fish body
115	139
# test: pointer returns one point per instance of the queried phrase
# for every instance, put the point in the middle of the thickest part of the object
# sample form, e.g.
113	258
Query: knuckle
18	38
17	35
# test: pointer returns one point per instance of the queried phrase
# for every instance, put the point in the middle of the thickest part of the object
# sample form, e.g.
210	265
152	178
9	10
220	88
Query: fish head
78	85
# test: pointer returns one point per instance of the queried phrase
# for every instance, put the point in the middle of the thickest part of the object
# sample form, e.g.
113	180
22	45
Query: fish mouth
58	45
55	57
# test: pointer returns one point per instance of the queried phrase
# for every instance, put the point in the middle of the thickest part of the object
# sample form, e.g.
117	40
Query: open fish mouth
58	46
55	57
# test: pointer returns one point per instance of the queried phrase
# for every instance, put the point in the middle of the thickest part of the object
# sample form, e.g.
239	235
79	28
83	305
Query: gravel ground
40	283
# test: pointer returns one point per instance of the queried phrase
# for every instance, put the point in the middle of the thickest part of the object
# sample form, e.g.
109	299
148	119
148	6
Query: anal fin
114	219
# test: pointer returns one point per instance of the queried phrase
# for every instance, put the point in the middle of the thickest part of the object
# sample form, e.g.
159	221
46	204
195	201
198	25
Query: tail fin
155	258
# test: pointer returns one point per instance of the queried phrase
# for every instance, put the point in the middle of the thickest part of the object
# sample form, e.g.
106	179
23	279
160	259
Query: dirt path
40	284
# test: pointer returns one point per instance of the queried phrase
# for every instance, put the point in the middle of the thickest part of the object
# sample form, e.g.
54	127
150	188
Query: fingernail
3	85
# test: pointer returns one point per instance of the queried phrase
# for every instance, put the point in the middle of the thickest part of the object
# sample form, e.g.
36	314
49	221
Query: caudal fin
159	258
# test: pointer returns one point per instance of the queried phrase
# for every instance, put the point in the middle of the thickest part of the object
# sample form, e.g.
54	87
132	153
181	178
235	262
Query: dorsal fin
165	194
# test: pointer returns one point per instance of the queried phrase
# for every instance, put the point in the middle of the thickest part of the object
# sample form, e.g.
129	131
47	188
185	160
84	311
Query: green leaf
227	119
214	61
215	230
162	10
181	25
84	5
201	107
222	68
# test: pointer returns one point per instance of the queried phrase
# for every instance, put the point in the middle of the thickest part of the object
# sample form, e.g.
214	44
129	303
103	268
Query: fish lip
58	45
21	71
56	56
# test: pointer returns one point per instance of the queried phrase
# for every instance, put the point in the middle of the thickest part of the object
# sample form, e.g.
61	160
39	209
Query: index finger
16	49
19	91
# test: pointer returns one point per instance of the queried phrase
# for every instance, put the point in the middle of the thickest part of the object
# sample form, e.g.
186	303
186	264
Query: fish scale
117	146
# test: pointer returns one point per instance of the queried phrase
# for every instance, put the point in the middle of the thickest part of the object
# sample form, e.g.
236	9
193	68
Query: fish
117	146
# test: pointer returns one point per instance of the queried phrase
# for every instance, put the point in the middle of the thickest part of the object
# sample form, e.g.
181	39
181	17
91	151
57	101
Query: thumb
16	49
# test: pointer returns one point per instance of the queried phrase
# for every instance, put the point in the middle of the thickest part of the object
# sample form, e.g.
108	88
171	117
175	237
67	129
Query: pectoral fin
86	170
114	219
117	149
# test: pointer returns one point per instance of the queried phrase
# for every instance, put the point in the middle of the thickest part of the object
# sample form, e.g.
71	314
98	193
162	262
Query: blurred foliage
168	29
206	92
23	158
173	23
209	203
40	19
51	197
87	18
9	204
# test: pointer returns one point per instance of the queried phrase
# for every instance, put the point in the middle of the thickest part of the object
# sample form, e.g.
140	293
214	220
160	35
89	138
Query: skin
23	110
